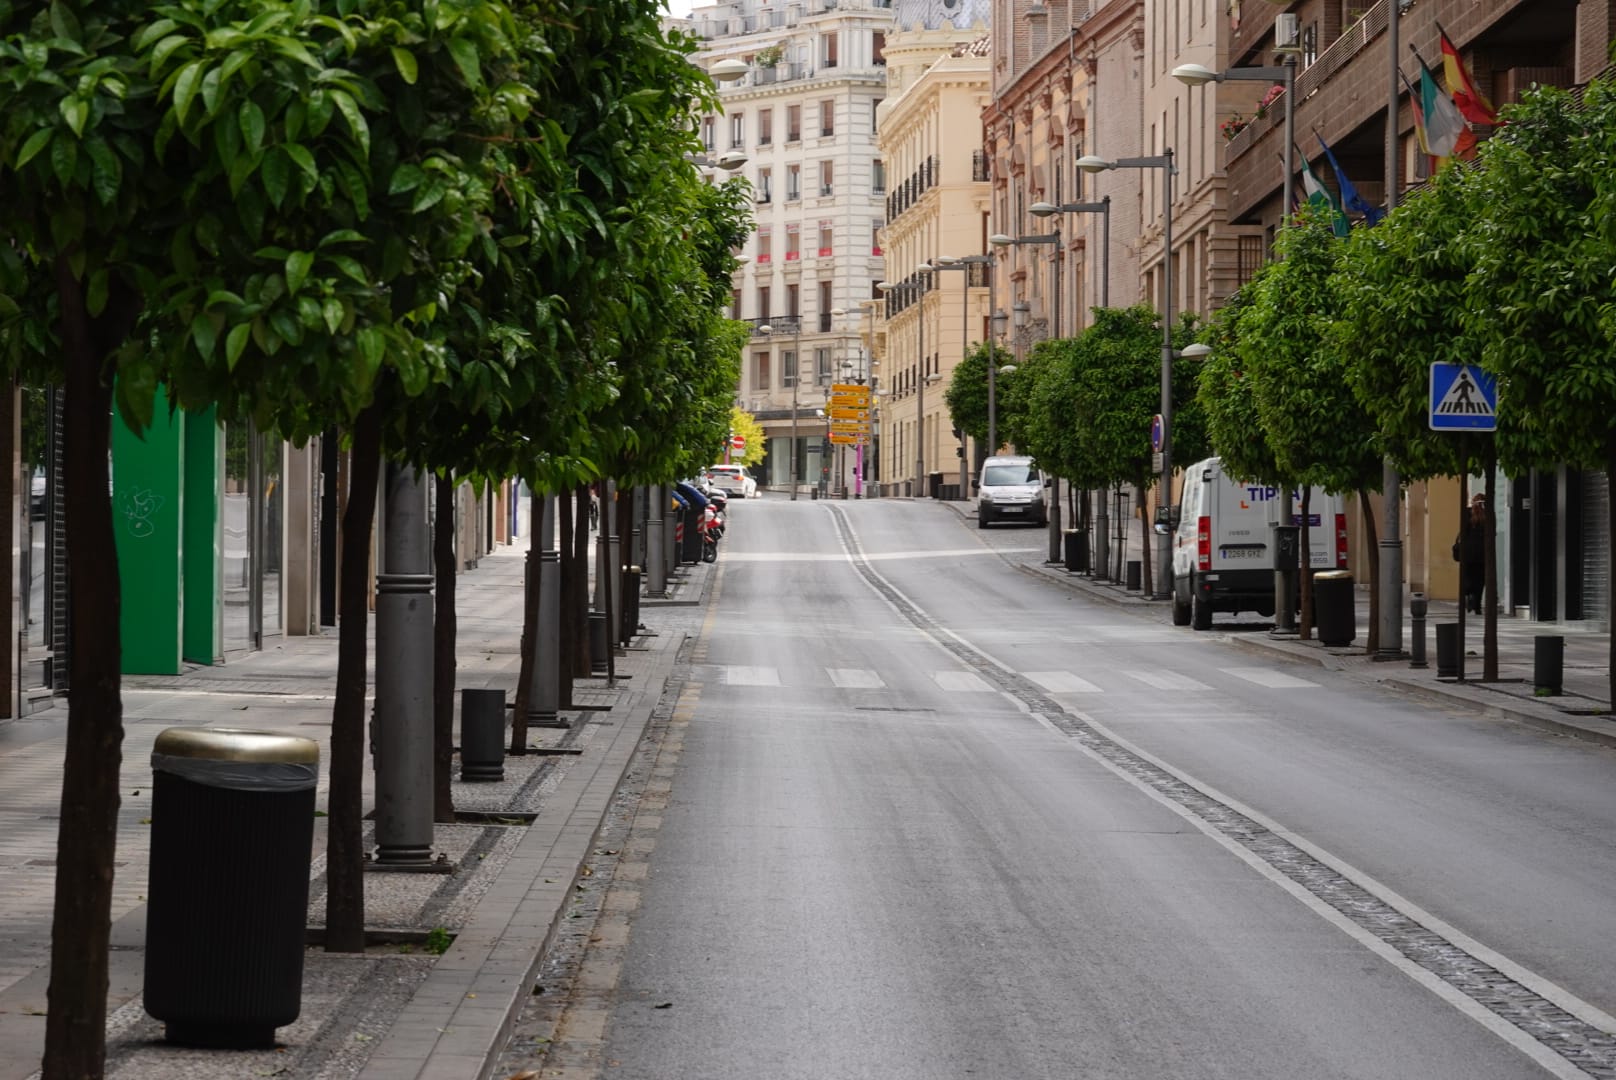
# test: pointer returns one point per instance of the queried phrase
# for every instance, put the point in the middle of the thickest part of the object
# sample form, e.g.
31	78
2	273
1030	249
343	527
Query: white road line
852	678
961	681
738	675
1278	680
1062	682
1166	680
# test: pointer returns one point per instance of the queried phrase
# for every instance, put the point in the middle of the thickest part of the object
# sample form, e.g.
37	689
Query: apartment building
936	307
804	117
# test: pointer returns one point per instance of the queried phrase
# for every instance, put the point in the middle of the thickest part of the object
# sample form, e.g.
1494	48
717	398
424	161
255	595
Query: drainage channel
1588	1048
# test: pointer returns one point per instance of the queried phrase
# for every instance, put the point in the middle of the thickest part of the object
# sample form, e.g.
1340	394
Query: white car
733	480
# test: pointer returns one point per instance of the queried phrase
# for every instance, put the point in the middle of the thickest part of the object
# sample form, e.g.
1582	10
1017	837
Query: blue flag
1350	199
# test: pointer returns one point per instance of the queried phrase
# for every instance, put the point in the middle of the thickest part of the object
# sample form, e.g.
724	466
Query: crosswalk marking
738	675
1062	682
1278	680
1166	680
960	681
849	678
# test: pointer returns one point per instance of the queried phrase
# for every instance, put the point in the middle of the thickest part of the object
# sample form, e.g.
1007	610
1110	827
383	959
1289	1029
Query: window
793	183
1250	258
735	303
793	123
765	127
765	245
828	50
765	185
875	248
761	377
824	297
737	131
1310	45
822	366
880	48
827	178
709	133
878	176
827	118
794	301
875	109
788	369
825	236
793	250
763	302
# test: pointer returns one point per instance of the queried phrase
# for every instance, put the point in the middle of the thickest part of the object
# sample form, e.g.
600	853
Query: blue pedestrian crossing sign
1463	398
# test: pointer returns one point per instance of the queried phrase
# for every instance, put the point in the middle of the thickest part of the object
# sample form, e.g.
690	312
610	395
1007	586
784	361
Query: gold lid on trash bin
237	744
1332	575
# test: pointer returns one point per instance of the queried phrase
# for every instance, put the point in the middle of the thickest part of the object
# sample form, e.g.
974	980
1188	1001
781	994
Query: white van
1010	489
1223	557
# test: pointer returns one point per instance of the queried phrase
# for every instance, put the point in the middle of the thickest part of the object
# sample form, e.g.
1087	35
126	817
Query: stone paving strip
398	1010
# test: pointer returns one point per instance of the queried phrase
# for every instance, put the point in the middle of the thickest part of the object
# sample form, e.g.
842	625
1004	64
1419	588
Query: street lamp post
1002	240
1001	323
1043	209
922	273
796	377
1196	75
1163	161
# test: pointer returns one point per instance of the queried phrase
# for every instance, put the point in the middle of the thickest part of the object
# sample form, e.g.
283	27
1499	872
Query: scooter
718	504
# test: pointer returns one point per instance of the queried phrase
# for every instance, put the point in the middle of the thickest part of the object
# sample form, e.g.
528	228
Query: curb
456	1024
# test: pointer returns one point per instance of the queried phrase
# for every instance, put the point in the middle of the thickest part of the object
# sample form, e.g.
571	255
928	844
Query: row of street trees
464	234
1320	365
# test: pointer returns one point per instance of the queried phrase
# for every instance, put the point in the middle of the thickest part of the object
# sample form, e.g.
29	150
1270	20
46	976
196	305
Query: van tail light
1341	541
1203	543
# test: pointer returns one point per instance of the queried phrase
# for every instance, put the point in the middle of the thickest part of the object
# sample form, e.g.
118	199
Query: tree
1400	291
967	392
745	425
1300	388
1540	300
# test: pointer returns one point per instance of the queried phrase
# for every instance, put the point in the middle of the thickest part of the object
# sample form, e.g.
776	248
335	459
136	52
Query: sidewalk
398	1010
1584	709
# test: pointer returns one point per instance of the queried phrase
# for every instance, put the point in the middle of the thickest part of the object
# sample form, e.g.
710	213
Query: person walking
1470	551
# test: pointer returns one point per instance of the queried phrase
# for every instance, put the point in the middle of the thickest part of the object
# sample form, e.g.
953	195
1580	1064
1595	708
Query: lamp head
1000	239
728	70
1089	163
838	312
731	160
946	260
1023	312
1196	351
1042	209
742	260
765	328
884	286
999	320
924	269
1195	75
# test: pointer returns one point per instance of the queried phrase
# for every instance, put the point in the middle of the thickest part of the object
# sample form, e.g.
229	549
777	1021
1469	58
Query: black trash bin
1447	650
1335	607
690	552
482	735
1548	664
228	896
1076	542
1135	576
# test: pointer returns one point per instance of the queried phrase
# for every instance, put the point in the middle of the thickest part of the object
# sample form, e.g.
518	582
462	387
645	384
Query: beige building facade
936	308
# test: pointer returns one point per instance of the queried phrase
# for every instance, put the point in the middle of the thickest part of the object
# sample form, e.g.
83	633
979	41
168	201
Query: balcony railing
979	166
909	192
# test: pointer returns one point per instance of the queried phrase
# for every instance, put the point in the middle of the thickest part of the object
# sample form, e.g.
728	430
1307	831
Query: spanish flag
1476	109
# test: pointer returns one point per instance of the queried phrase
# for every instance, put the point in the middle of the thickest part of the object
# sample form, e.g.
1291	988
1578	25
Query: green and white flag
1320	197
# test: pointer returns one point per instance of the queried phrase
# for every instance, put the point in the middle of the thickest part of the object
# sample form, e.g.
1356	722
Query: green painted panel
147	500
203	563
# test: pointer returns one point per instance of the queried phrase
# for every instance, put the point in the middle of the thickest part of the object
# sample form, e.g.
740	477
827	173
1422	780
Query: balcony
979	166
826	191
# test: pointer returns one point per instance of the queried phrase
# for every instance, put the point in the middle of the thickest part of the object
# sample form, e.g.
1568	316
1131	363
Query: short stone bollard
1417	606
482	735
1447	650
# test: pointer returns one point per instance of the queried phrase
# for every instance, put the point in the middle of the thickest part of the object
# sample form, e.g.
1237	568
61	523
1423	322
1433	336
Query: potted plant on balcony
767	60
1233	126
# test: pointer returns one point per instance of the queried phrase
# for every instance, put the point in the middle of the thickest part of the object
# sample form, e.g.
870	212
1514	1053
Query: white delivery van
1223	547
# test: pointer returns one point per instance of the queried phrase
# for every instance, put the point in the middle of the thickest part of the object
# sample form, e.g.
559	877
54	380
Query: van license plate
1243	553
1012	509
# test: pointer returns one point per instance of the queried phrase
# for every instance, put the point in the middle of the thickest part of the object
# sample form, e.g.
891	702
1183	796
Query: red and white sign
737	442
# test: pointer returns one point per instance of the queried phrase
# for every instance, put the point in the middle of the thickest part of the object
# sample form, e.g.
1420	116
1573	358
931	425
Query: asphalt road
935	818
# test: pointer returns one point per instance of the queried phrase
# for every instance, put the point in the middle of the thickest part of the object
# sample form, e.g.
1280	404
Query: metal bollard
1416	649
599	641
1448	644
1548	664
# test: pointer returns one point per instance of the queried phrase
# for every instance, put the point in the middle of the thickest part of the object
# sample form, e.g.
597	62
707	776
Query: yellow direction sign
849	428
849	440
841	412
849	388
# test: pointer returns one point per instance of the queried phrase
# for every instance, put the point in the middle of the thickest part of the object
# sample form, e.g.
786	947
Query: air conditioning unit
1287	31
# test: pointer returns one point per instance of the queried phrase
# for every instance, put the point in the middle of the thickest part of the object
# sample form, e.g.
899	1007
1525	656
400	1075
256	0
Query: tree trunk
443	653
1304	628
530	631
345	861
1147	579
1610	657
1371	538
86	837
1489	594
